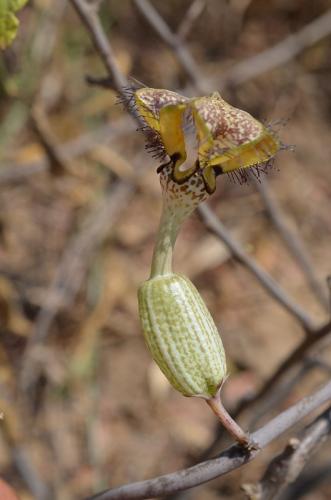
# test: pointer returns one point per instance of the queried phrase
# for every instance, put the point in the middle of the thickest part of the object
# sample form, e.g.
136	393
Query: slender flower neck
179	201
169	226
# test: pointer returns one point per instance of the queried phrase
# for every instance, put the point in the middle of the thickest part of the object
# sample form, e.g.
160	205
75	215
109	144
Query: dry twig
88	12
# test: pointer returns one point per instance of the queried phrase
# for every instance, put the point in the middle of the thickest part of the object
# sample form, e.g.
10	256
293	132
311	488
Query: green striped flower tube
181	335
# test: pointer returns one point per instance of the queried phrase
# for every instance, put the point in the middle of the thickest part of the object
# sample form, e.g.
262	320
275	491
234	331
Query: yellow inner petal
171	129
247	155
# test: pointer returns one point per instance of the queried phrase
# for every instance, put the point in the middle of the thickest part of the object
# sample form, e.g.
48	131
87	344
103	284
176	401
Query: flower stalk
166	237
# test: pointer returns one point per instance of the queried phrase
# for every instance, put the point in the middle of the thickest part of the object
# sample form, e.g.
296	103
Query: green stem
166	238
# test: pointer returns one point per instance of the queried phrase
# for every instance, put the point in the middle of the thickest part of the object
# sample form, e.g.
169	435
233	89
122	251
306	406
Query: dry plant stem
232	458
68	277
88	13
228	423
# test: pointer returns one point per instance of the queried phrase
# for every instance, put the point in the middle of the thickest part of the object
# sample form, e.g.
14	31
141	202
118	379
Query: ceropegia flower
203	135
197	139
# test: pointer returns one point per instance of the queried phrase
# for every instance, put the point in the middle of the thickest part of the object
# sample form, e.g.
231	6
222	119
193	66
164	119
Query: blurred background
84	408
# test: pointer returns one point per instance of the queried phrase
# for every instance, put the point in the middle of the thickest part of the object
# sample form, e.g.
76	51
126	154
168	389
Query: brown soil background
100	413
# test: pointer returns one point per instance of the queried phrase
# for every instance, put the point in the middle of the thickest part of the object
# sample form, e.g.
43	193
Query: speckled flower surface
204	135
181	335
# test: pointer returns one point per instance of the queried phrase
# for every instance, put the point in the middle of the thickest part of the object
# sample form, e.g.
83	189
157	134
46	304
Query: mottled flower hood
203	135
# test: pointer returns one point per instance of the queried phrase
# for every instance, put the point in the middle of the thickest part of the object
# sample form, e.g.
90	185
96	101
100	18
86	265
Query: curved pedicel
196	139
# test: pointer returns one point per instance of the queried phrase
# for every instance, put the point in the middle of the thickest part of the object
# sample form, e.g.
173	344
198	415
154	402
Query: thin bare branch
174	42
280	53
215	225
230	459
294	244
88	13
89	16
286	467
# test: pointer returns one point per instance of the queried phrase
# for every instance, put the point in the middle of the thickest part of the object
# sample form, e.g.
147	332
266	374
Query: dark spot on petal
218	170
